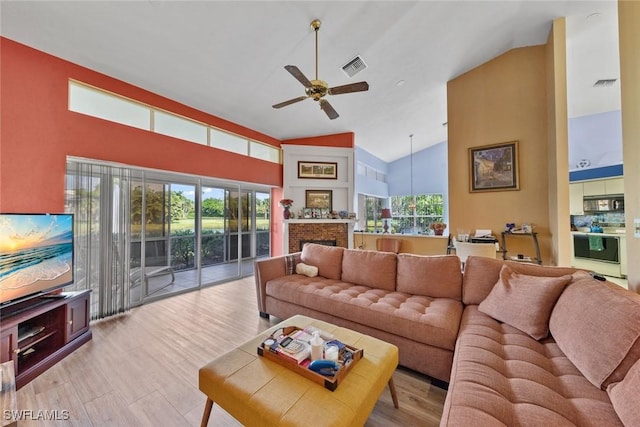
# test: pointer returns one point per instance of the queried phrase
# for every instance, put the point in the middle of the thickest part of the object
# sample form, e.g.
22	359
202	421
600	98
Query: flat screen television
36	255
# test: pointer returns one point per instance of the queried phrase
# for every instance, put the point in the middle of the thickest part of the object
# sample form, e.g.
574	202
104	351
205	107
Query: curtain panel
98	196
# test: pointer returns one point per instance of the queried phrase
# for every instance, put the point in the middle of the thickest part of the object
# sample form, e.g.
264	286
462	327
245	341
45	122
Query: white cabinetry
594	188
576	194
614	186
601	187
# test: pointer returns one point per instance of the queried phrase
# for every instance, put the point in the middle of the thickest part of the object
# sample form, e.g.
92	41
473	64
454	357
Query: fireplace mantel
316	221
319	229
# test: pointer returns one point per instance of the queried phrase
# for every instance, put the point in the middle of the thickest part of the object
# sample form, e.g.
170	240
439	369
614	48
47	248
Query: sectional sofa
519	344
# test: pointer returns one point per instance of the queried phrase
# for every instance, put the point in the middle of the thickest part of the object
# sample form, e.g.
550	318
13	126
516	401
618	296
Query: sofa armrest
265	270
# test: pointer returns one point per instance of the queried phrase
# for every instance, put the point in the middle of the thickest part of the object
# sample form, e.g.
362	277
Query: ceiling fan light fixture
317	89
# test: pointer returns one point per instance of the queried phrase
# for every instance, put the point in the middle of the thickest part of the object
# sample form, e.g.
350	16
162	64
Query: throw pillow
622	397
307	270
290	262
524	302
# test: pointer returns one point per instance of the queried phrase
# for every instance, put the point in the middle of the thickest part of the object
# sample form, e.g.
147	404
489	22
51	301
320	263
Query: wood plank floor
141	369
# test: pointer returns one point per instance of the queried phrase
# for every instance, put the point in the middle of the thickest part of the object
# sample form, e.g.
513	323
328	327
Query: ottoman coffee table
259	392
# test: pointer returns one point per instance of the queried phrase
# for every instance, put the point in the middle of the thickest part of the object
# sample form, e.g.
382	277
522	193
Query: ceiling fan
317	89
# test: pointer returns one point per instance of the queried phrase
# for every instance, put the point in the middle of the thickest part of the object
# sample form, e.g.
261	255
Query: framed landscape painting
494	167
318	170
320	199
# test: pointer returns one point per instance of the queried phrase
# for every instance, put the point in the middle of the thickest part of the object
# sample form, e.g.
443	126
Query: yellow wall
502	100
420	245
558	145
629	35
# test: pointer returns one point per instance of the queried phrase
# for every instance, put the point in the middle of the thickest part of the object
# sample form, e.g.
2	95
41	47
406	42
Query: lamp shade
386	214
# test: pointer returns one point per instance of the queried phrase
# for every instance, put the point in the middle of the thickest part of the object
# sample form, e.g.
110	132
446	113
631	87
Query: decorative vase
286	214
439	231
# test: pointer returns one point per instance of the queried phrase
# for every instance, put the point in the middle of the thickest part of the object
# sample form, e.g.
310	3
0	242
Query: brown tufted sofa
375	293
572	360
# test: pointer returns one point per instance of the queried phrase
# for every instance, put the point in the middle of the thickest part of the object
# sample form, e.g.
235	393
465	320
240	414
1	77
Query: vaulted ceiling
227	58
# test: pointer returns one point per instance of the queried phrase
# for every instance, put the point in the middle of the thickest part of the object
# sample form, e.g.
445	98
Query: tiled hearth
317	230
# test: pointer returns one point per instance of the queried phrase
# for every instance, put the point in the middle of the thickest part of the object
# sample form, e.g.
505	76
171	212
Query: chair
464	250
388	245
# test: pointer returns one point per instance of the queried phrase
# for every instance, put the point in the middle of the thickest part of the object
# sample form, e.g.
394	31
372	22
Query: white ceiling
227	57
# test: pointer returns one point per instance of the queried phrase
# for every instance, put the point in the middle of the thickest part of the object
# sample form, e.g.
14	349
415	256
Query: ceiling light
399	83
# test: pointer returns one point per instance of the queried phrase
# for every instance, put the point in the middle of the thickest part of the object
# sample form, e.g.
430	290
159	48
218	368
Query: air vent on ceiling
354	66
605	82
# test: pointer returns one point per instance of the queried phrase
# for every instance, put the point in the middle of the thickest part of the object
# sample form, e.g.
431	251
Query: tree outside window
414	214
373	208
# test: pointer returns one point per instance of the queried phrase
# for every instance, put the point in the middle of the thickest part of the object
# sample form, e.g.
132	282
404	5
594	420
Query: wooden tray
329	382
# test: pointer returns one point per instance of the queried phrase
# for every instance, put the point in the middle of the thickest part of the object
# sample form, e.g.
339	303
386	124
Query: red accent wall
344	140
38	132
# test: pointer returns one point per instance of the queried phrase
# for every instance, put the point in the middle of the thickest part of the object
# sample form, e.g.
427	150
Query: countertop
607	233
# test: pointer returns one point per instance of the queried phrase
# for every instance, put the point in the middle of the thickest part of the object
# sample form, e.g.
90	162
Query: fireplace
319	242
325	232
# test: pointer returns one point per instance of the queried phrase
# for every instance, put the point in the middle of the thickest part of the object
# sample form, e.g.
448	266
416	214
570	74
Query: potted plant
286	204
438	228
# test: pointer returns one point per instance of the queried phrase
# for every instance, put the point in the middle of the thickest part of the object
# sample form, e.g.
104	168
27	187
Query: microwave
603	204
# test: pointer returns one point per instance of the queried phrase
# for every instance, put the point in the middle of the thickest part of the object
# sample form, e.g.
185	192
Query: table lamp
386	215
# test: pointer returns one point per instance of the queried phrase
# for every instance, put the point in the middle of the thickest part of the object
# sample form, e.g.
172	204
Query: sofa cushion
624	396
432	276
502	376
370	268
481	274
523	301
432	321
328	259
597	325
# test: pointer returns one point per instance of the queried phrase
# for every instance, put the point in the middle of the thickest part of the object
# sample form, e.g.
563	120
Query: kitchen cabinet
614	186
576	194
601	187
594	188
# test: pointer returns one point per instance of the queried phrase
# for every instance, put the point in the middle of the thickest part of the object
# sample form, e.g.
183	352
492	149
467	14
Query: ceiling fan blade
295	72
353	87
328	109
289	102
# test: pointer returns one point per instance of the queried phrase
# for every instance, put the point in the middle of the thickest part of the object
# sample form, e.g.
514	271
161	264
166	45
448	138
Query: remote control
597	276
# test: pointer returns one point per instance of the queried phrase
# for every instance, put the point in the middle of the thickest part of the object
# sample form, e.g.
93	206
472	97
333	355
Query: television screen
36	254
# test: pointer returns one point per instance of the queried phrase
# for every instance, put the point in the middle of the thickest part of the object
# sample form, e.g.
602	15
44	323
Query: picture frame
320	199
494	167
317	170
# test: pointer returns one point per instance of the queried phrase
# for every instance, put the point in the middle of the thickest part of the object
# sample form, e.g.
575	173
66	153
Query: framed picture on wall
494	167
320	199
318	170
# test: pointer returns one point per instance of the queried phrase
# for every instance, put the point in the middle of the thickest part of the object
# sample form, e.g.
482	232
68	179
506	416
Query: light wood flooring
141	369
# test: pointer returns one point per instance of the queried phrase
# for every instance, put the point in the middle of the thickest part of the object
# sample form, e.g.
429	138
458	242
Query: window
409	219
108	106
373	209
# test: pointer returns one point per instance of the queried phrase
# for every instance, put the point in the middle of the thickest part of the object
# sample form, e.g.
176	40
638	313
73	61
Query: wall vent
605	82
354	66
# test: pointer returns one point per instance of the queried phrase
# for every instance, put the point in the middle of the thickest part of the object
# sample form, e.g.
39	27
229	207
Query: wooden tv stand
41	332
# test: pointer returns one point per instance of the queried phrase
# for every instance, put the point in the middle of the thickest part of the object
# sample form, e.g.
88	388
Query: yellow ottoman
259	392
